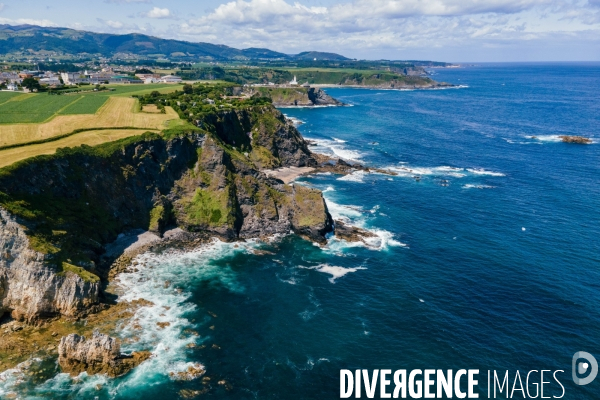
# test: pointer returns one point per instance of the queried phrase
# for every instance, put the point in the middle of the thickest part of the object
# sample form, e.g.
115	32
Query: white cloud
114	24
392	28
157	12
27	21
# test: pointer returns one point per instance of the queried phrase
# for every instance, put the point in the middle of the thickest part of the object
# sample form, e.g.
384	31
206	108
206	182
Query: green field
5	96
19	108
85	105
33	108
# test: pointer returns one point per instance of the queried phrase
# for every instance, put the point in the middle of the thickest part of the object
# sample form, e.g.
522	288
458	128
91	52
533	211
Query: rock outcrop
99	355
297	96
29	288
319	98
575	139
58	212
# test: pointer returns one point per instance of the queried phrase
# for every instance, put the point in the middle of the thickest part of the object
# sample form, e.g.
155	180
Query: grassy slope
90	138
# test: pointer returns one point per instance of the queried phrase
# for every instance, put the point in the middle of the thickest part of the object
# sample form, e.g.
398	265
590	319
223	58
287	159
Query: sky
441	30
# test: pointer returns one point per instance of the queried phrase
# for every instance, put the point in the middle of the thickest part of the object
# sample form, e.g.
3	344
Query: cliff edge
58	212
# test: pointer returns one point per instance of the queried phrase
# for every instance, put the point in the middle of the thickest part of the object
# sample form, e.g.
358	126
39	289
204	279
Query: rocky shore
81	216
100	354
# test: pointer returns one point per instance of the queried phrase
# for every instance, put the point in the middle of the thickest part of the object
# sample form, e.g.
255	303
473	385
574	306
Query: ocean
486	255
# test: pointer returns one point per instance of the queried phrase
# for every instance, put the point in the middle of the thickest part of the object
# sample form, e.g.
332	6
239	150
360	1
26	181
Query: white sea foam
335	271
356	216
161	279
338	140
444	170
472	186
336	147
547	138
12	378
329	189
356	176
482	171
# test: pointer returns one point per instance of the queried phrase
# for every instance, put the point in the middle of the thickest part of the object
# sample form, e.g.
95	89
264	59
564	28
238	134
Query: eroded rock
101	354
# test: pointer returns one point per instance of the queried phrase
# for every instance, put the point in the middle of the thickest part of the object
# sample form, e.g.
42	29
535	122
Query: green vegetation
83	274
67	228
371	75
33	108
6	96
209	208
85	105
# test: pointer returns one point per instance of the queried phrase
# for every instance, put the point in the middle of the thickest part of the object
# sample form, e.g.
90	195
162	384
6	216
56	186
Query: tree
31	84
188	89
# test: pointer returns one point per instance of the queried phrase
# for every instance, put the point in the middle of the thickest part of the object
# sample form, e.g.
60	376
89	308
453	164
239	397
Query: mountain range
32	38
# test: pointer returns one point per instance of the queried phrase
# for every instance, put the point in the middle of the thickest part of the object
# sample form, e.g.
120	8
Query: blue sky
445	30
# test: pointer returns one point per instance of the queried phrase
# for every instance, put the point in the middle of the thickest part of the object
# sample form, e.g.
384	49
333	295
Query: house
12	86
170	79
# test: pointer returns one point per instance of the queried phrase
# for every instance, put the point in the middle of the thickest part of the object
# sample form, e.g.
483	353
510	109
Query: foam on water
11	379
442	171
166	280
356	176
335	147
335	271
472	186
356	216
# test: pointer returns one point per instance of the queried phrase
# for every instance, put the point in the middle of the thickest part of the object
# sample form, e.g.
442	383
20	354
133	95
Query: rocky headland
72	221
295	96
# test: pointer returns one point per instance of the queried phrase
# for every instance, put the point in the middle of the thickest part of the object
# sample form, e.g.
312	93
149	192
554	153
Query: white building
12	86
50	81
294	81
170	79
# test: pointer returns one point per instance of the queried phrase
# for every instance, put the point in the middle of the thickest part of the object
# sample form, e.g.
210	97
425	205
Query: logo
583	367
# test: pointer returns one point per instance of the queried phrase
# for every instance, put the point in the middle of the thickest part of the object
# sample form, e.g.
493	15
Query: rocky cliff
100	354
58	212
296	96
29	289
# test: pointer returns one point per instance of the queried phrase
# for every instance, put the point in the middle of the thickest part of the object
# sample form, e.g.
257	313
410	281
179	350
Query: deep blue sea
487	253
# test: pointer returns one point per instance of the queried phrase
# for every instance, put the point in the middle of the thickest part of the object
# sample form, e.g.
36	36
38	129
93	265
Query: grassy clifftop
204	179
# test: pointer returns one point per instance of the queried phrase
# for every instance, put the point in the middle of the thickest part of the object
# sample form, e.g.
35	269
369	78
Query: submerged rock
575	139
99	355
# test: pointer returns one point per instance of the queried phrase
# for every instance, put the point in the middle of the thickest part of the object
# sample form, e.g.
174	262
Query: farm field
90	138
17	108
32	108
5	96
89	104
117	112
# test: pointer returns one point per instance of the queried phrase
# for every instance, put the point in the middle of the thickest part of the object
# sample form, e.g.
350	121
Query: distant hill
311	55
23	38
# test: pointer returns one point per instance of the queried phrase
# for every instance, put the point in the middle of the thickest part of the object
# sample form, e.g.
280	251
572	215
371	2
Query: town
39	80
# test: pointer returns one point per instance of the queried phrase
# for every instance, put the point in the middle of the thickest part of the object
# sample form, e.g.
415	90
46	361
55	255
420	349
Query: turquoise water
490	260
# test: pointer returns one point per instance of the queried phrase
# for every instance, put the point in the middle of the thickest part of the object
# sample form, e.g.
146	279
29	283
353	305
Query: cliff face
28	288
57	212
